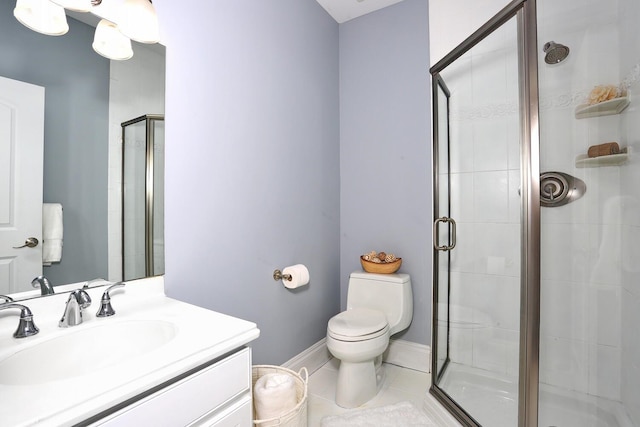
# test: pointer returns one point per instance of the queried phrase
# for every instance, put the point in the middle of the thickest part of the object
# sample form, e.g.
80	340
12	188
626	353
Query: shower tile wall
583	283
630	213
485	178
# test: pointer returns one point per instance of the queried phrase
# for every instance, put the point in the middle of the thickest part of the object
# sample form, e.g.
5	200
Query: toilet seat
358	324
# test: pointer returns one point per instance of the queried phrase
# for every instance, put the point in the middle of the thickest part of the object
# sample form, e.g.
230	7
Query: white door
21	166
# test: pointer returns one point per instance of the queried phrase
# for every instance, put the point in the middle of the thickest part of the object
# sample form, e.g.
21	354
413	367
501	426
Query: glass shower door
477	229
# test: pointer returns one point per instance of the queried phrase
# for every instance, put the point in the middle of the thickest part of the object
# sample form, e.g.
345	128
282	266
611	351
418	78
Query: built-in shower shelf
606	108
584	161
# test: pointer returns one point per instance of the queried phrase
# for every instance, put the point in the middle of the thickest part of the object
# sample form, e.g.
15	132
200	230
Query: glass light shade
109	42
75	5
41	16
138	21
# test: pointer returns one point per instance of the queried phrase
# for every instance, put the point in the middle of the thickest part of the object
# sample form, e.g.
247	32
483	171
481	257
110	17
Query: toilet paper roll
299	276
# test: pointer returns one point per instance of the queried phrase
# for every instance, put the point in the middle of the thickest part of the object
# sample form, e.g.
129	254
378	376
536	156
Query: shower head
555	52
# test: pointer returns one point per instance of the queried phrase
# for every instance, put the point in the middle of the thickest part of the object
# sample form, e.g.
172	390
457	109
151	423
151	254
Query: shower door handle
452	227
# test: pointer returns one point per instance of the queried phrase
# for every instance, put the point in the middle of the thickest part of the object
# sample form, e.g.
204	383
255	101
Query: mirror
87	97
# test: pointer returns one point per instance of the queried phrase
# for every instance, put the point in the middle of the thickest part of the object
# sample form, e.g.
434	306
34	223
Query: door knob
31	242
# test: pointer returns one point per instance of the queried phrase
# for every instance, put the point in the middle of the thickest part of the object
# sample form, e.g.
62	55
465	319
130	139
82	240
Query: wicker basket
381	267
296	417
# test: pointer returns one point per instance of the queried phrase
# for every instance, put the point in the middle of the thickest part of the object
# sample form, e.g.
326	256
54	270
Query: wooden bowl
382	267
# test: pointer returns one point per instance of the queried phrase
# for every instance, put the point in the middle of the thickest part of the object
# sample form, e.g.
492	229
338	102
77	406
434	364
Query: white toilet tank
388	293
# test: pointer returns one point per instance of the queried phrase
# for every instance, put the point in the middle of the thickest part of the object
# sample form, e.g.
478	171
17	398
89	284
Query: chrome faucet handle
26	327
44	285
106	309
72	316
83	298
87	284
6	299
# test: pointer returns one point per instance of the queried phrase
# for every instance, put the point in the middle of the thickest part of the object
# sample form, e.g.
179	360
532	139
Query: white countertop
201	335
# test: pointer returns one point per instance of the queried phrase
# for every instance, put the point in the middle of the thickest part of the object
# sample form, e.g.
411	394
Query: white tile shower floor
400	384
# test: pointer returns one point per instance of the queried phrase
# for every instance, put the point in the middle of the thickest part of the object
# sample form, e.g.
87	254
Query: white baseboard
408	355
402	353
312	358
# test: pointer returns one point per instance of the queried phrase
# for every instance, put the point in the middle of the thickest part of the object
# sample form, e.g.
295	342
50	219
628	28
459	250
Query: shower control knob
558	188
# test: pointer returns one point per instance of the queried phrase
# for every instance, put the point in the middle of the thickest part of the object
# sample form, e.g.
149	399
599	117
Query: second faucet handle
106	309
26	327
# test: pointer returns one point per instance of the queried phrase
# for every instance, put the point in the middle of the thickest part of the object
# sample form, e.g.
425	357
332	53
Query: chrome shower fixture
558	189
555	52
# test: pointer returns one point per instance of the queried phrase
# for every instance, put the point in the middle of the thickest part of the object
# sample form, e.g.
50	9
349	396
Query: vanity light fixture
109	42
122	21
139	21
75	5
42	16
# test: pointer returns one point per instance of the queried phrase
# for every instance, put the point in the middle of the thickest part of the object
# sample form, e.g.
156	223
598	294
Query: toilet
378	306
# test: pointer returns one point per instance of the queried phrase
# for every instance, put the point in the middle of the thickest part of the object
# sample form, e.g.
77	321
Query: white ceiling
340	10
344	10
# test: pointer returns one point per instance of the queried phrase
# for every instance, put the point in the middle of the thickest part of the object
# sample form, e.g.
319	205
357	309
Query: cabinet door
191	398
240	414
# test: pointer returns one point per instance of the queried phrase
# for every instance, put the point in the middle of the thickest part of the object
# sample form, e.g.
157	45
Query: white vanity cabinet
157	362
217	395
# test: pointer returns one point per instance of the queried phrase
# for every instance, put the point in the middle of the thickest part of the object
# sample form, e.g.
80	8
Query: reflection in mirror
143	197
86	98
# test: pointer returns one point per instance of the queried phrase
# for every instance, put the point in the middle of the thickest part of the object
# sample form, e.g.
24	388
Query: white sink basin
64	377
80	352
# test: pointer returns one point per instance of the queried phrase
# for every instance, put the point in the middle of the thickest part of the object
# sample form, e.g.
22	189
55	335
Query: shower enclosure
537	241
143	197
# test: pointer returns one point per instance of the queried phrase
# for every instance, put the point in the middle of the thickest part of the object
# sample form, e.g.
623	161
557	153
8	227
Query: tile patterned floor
400	384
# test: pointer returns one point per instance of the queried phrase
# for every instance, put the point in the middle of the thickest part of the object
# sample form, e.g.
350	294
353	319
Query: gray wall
385	160
76	82
252	164
258	164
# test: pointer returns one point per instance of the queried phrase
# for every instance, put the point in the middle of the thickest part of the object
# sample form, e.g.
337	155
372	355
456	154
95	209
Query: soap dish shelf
584	161
606	108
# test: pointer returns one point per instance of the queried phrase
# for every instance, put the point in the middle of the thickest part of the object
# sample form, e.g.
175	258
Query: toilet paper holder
277	275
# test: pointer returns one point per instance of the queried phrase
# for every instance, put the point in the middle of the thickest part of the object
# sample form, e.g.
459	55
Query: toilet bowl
357	346
377	306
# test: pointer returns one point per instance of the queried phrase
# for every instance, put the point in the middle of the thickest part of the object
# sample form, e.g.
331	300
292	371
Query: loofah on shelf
603	93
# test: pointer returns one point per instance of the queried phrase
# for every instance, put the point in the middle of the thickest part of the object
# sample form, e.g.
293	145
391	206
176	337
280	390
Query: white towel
51	233
274	395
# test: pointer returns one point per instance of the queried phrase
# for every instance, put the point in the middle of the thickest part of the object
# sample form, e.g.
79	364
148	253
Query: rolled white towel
273	395
52	232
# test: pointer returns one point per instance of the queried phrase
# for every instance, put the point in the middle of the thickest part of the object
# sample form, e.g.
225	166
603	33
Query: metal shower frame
528	383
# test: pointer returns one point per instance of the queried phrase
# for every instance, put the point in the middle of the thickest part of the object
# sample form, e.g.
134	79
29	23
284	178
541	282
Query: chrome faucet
106	309
72	316
6	299
44	284
26	327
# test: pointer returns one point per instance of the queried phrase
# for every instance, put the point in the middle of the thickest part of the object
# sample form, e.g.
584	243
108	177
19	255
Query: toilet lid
357	322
